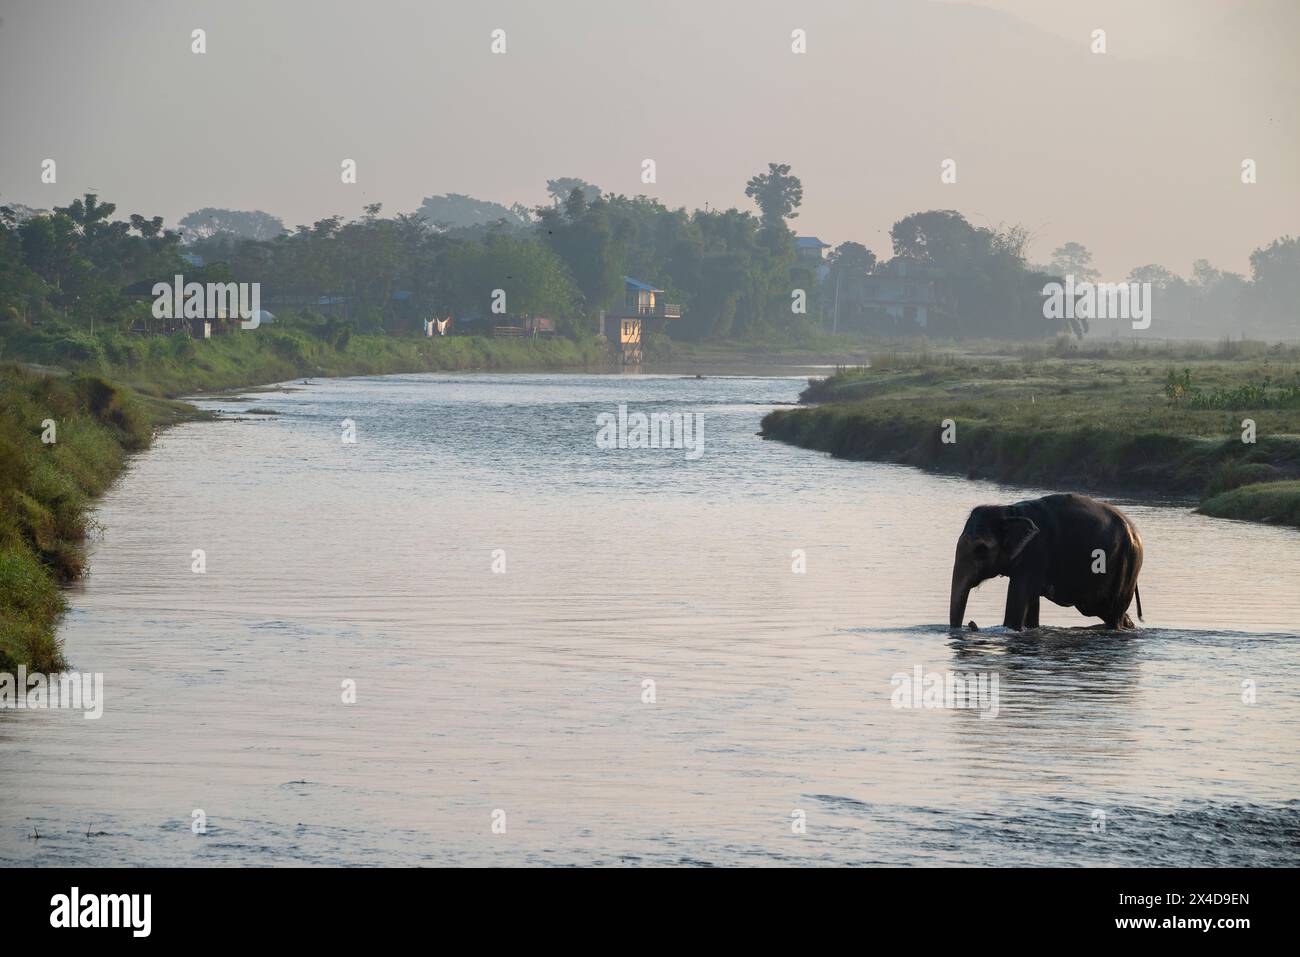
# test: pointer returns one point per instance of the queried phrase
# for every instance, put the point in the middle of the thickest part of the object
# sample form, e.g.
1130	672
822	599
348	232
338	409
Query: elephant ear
1016	533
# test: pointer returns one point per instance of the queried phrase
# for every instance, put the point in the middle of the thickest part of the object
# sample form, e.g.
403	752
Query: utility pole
836	320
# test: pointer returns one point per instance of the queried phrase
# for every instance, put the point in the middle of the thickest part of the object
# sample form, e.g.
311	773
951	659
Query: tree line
734	273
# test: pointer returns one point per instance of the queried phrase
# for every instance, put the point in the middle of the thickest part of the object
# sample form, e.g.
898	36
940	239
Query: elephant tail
1137	593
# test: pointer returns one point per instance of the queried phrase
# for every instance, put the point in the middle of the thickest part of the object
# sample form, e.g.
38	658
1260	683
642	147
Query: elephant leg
1118	621
1031	614
1020	594
1119	618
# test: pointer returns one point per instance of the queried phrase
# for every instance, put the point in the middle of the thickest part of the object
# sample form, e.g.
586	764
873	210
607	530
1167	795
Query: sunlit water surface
522	692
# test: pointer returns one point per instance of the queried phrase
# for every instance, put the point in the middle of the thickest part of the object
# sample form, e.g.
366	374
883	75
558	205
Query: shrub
1233	475
182	346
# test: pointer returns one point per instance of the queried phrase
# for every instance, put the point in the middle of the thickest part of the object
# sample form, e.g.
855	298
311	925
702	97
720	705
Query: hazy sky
1135	153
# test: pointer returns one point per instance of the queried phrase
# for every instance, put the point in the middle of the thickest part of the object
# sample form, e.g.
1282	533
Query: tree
23	294
1073	259
147	228
778	195
559	189
210	221
1159	277
89	214
981	273
49	246
19	213
851	260
940	237
1217	297
458	211
1275	290
850	264
584	237
531	275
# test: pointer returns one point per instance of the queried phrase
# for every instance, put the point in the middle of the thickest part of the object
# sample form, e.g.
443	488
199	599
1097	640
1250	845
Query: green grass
1106	424
177	365
45	489
1273	502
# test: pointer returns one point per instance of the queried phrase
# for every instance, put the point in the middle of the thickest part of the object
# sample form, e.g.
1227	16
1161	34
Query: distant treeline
734	273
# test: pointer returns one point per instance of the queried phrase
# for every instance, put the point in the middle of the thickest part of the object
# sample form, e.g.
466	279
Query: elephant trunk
957	601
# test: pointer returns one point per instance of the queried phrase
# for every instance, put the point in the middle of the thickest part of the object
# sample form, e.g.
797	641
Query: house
809	247
808	252
207	326
901	288
643	310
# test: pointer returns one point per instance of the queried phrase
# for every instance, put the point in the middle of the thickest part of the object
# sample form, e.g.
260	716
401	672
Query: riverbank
1123	425
63	440
178	365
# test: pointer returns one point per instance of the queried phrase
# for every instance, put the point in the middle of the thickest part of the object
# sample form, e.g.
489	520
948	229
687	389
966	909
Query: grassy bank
1273	502
63	439
1121	422
177	365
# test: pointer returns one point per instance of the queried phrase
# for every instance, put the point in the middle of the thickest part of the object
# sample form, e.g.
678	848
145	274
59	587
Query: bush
287	347
111	406
1233	475
78	350
1273	502
182	346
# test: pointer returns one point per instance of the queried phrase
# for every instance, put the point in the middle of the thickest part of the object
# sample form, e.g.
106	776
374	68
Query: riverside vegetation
293	347
63	439
1152	419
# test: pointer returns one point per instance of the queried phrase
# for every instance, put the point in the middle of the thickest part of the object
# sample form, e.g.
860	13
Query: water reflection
524	690
1071	694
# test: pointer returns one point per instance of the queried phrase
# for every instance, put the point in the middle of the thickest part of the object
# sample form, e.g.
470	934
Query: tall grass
45	487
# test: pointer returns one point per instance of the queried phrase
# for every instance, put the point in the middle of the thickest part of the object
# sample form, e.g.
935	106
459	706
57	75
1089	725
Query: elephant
1068	548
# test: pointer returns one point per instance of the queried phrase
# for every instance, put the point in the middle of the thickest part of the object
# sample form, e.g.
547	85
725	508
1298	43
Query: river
565	654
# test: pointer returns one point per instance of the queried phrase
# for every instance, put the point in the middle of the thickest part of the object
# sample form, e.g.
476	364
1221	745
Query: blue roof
638	284
810	242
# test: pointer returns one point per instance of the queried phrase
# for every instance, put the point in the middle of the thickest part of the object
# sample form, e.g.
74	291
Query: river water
563	654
